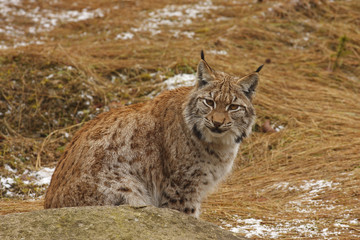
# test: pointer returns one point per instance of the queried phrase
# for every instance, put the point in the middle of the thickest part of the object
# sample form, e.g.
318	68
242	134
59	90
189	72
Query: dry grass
8	206
311	87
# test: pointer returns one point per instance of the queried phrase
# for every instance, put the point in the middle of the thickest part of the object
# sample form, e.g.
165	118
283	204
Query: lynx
169	152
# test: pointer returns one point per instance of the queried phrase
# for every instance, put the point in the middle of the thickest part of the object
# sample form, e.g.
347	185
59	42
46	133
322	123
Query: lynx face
221	108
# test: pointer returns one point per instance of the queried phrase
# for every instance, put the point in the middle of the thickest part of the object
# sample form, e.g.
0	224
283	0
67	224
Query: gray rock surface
108	222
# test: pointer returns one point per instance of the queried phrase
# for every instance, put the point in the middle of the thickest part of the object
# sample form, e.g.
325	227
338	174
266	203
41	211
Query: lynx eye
234	107
209	102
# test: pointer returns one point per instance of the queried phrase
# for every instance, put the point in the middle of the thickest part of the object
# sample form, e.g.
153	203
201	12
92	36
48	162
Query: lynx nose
217	124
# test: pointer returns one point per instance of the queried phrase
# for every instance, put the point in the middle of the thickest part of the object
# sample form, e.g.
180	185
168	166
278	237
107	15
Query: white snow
124	36
80	113
252	227
220	19
40	178
177	33
313	186
43	176
218	52
317	186
176	17
6	182
341	225
257	228
47	19
278	128
180	80
308	203
8	168
38	19
354	221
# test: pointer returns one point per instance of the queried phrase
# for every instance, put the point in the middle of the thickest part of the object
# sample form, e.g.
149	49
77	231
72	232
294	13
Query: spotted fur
167	152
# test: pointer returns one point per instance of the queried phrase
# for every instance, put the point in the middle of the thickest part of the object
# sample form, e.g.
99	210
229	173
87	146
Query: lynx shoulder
167	152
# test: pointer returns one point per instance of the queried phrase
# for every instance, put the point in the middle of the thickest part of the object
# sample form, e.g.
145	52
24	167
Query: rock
266	127
108	222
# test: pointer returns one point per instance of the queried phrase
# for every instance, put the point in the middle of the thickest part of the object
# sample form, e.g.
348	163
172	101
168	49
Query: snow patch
258	228
175	16
218	52
178	33
354	222
9	169
340	225
6	182
40	178
309	201
278	128
313	186
124	36
180	80
38	19
43	176
255	228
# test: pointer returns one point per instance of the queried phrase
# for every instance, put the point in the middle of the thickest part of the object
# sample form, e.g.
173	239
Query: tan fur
167	152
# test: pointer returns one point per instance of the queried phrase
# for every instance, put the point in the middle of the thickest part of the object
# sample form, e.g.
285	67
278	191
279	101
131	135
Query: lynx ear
204	72
249	84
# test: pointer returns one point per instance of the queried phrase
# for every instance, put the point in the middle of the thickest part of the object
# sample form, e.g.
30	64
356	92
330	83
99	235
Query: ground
63	62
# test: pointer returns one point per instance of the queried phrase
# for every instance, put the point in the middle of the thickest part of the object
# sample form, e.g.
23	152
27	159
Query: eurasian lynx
167	152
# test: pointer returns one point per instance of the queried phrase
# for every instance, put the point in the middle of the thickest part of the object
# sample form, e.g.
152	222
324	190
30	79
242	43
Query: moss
145	76
109	223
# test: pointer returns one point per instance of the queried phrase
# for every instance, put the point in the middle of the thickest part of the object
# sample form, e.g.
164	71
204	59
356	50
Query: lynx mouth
216	130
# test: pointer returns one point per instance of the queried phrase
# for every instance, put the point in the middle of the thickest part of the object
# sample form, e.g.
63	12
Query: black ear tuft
204	74
202	55
259	68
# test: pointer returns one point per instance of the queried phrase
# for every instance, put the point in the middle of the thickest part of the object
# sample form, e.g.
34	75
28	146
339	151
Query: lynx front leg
183	200
128	191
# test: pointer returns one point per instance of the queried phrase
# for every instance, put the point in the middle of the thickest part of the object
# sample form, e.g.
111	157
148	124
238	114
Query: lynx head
220	107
